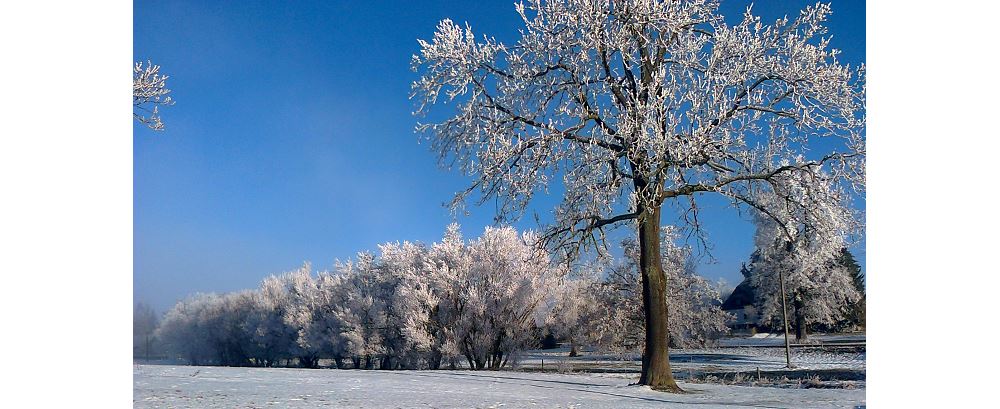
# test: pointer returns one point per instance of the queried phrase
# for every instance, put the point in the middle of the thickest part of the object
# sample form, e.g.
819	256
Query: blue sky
292	139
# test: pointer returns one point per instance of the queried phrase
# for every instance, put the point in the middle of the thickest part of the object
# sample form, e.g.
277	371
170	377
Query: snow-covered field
591	380
707	359
735	354
222	387
778	339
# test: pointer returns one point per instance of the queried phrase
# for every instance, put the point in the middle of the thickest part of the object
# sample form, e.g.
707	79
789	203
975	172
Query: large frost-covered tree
182	330
410	306
802	229
638	103
390	308
290	303
448	265
406	301
244	328
362	312
502	280
326	326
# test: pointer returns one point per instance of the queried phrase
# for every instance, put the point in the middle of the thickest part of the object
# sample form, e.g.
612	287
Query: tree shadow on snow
710	358
527	382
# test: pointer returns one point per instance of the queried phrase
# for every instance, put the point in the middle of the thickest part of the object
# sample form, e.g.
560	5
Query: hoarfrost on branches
420	307
803	227
638	102
149	92
290	303
407	306
576	308
505	288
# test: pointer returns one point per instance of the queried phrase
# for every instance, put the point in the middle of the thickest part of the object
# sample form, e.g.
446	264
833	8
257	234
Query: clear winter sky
292	138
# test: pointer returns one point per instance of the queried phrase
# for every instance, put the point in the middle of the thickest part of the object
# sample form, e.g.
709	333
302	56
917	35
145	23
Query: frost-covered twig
149	91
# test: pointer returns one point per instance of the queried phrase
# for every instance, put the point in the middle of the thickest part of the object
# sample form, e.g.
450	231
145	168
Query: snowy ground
735	354
539	379
218	387
708	359
778	339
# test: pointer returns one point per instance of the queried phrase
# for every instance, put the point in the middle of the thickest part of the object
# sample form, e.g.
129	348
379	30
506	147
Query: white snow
743	358
778	339
224	387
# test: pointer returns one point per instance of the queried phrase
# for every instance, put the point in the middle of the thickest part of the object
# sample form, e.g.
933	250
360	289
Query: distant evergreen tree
857	314
847	260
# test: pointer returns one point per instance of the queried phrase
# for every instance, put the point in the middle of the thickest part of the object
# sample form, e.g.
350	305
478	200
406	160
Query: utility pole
784	317
784	310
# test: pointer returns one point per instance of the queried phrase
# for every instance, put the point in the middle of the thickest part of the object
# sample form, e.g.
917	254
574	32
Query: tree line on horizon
476	304
455	303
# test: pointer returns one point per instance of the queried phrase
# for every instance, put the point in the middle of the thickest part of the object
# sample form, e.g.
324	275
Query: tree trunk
434	361
572	349
655	359
309	361
800	319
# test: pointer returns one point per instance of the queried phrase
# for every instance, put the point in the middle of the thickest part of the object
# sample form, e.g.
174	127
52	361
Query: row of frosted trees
474	304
